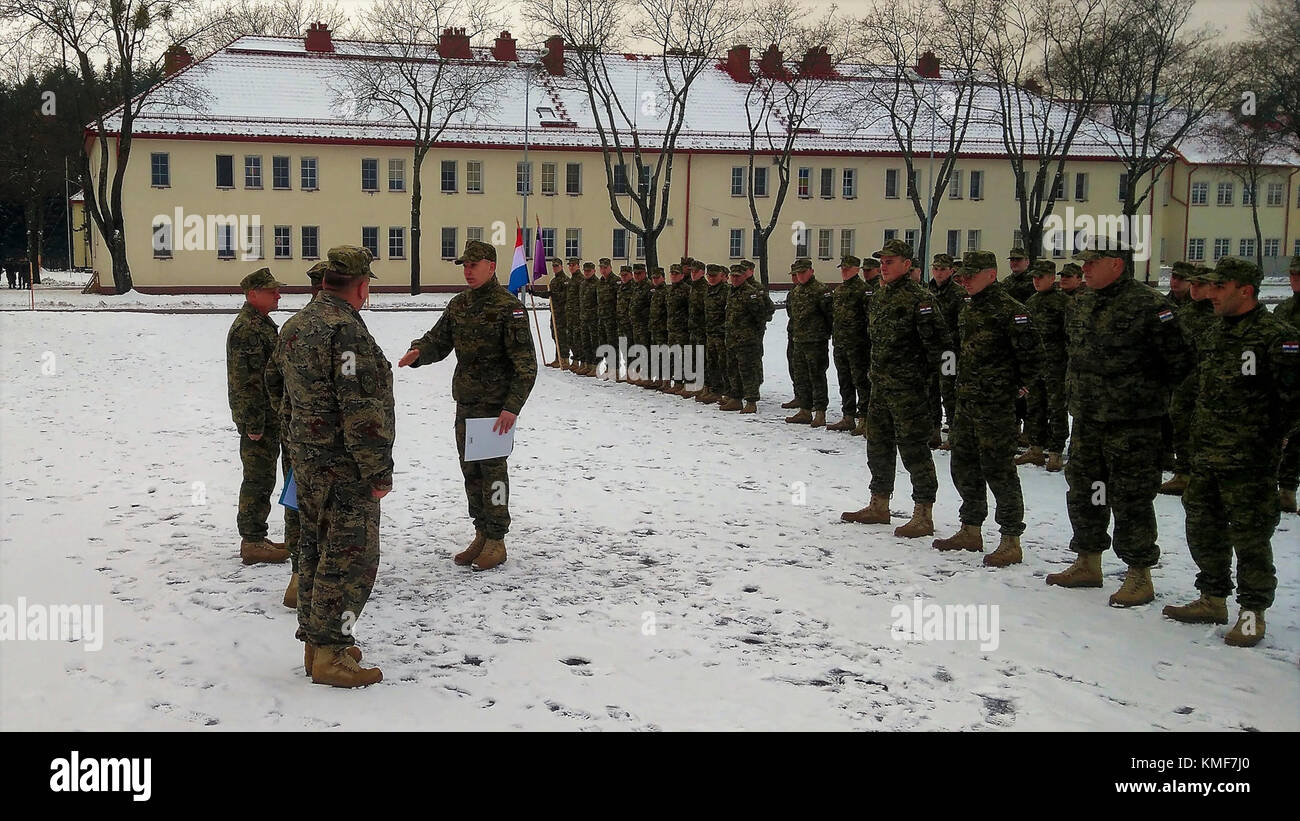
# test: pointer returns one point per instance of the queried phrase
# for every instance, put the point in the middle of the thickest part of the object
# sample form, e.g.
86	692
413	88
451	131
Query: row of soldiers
632	324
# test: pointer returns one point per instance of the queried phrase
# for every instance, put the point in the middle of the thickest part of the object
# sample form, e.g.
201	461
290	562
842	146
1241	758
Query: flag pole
555	332
533	304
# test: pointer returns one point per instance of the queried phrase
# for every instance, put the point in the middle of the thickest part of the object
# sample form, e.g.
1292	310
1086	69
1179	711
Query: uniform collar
257	315
338	301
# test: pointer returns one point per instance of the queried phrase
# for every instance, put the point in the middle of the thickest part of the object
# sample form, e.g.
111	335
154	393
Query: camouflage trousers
1288	473
811	360
744	371
851	369
899	421
790	368
258	484
576	334
983	440
640	334
558	330
1181	407
1048	422
608	335
487	482
1114	470
943	399
338	551
715	365
1227	511
624	340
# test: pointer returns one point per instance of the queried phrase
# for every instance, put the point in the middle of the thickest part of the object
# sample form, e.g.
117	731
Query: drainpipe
686	241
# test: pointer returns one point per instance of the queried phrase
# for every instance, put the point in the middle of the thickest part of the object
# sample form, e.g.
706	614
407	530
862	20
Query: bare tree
405	78
275	18
1275	65
1252	151
638	132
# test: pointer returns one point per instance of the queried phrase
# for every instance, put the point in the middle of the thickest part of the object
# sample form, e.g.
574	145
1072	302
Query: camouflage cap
850	261
972	262
316	273
1238	270
259	280
657	272
1043	268
477	250
1071	269
1295	264
625	269
555	261
1017	253
748	265
942	261
800	265
1182	270
675	268
738	268
1089	254
605	261
350	261
573	261
688	262
871	264
588	266
640	266
712	269
894	248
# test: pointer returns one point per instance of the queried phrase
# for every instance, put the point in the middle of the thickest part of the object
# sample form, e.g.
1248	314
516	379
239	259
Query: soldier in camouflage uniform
678	301
870	273
589	318
950	298
1288	474
715	339
640	313
607	315
1020	285
748	310
908	341
558	291
999	353
1127	353
573	322
1048	424
1248	399
623	313
791	367
658	322
487	328
812	312
249	345
849	334
339	387
1191	294
698	314
1071	280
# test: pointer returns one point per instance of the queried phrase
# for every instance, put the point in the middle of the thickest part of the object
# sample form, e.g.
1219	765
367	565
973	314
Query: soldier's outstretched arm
365	398
435	345
519	349
248	362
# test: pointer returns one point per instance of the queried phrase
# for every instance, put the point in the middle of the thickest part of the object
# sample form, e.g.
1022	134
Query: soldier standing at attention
697	321
495	370
715	339
558	290
908	339
871	273
607	315
678	300
623	313
1248	399
950	298
574	328
812	312
1127	352
590	319
849	335
749	309
658	325
1195	310
999	354
1071	279
1288	475
249	345
339	387
641	316
1047	423
791	367
1020	285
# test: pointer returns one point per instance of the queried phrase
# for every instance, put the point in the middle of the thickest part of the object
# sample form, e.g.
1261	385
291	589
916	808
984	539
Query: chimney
176	58
554	59
928	66
738	64
504	49
319	40
816	63
772	63
454	44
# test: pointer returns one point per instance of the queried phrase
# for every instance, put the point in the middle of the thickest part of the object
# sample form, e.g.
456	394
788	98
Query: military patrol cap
477	250
747	265
1071	269
1238	270
1043	268
1295	264
1017	253
316	273
350	261
573	261
658	273
1182	270
687	262
972	262
625	269
1200	275
712	269
894	248
606	261
800	265
588	266
259	280
675	268
1089	254
850	261
738	268
640	266
942	261
555	261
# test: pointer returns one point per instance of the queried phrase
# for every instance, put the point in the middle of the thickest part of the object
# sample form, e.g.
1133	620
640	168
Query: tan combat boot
470	553
712	399
309	655
705	395
845	423
1085	572
1136	589
564	363
803	417
793	403
1008	552
674	389
967	537
861	429
1175	486
1287	499
493	554
1054	463
690	394
1033	456
750	407
1248	631
337	668
936	439
730	405
818	420
875	513
921	523
291	593
261	552
1205	610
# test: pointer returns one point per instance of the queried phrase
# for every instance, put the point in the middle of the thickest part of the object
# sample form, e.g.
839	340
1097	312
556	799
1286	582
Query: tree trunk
415	222
763	262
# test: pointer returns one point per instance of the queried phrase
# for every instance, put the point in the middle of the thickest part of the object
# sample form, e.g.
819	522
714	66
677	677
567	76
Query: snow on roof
273	88
1201	148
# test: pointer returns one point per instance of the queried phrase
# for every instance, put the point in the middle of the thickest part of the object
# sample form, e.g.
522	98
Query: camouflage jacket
339	387
248	348
659	310
747	312
812	311
607	298
1196	317
715	309
679	306
641	304
1127	352
950	297
488	330
573	302
1020	286
590	313
623	302
1248	396
1047	309
698	321
1289	311
559	293
849	314
908	336
1000	351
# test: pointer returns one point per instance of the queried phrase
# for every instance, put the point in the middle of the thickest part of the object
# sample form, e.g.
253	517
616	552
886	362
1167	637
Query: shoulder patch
1021	319
517	313
1291	347
925	308
1165	315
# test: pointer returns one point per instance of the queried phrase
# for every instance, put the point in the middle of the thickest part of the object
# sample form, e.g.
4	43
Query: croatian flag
518	268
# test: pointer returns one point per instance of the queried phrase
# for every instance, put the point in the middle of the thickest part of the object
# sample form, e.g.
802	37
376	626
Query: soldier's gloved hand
408	357
1022	393
380	493
255	436
504	423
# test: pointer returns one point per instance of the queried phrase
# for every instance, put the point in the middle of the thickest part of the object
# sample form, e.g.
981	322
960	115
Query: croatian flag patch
518	313
1022	319
927	309
1291	347
1165	315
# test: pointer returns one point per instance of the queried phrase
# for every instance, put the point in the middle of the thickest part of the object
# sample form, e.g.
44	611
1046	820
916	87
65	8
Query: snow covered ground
663	572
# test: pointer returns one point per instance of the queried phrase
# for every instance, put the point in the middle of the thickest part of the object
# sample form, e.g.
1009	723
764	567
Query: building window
1222	247
310	242
1246	248
910	236
891	183
572	242
1225	195
620	179
954	244
848	241
449	242
307	170
644	186
972	238
160	175
1058	245
911	183
474	176
1247	194
397	243
805	182
891	233
1195	250
476	235
737	181
573	178
640	246
977	185
736	245
225	241
619	244
760	181
280	173
548	242
1276	194
370	239
756	244
162	240
801	246
369	174
850	184
954	185
828	183
397	175
548	178
1272	247
448	176
1123	188
1296	252
1058	189
253	171
824	237
1017	238
1200	193
225	171
1080	187
283	242
523	178
253	246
